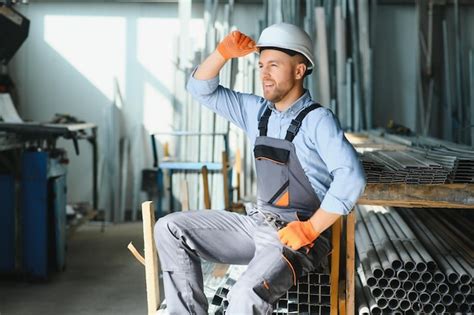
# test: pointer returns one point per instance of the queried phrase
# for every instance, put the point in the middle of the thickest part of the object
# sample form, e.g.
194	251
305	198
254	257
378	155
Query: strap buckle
294	127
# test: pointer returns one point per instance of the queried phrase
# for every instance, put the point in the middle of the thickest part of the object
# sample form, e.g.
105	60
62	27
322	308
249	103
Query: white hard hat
287	36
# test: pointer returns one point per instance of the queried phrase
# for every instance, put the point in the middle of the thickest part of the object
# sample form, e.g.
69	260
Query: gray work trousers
182	238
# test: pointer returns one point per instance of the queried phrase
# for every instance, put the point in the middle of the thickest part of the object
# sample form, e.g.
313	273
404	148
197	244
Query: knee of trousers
264	287
166	236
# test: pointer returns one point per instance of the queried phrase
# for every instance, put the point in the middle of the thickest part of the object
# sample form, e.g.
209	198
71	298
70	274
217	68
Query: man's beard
274	96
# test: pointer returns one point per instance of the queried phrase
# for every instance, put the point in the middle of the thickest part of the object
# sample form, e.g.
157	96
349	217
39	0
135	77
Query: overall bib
282	186
284	194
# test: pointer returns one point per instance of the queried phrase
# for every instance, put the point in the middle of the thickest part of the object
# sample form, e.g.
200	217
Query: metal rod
471	92
424	297
359	112
465	289
375	265
415	276
452	257
373	305
400	293
431	286
402	274
426	277
459	298
393	304
361	302
447	82
389	293
417	307
382	303
375	235
447	299
416	244
459	78
408	285
394	283
443	288
412	296
428	308
364	260
382	282
405	305
376	292
435	297
427	239
439	308
420	286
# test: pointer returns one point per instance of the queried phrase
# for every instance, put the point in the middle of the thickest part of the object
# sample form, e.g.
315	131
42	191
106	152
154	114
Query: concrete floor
101	277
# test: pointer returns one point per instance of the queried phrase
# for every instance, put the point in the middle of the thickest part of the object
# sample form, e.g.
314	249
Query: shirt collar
303	102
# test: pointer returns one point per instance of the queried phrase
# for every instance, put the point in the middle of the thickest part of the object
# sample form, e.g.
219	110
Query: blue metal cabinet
58	185
7	224
43	206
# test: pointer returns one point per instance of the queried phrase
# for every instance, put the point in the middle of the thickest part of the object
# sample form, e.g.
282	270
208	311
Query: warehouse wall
394	66
74	54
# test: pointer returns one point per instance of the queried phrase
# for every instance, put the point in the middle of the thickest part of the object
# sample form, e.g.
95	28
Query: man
308	175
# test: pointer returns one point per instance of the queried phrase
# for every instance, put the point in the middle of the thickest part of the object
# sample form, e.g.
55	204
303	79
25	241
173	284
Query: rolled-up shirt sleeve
343	164
234	106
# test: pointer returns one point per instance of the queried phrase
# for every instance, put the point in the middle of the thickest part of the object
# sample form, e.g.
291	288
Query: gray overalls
284	194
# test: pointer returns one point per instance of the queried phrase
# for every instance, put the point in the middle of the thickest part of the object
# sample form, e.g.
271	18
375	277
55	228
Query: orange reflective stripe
265	284
284	200
291	267
264	158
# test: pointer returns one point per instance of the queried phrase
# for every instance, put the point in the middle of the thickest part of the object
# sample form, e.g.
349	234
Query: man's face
278	74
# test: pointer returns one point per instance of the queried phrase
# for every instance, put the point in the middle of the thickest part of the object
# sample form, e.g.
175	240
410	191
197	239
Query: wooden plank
335	259
184	195
225	178
342	299
350	263
151	258
416	196
136	254
205	185
238	172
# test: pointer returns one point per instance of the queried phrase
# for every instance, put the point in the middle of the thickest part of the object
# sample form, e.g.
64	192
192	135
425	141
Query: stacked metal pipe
428	271
430	160
311	295
402	167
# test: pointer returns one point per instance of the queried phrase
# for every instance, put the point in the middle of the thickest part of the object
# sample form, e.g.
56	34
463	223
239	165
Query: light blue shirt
328	159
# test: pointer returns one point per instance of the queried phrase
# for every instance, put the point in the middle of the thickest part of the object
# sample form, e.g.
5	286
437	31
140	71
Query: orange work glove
298	234
236	44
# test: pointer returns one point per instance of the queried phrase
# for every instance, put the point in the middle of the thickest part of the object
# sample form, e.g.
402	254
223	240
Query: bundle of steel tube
420	162
402	167
412	260
311	295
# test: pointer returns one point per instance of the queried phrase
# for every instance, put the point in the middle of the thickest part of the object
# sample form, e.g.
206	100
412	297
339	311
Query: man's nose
264	73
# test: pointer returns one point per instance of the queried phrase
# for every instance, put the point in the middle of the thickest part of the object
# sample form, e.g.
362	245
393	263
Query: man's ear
300	71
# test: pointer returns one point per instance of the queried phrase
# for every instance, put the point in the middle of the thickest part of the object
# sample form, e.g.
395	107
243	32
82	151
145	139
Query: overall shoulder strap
296	123
263	122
